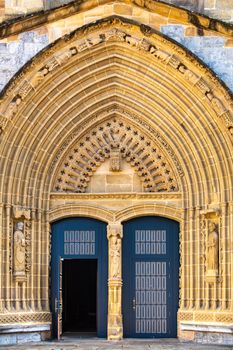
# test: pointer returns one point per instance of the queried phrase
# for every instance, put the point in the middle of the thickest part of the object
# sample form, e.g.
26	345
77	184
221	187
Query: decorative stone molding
205	316
21	213
34	20
24	317
115	326
129	143
70	210
150	209
131	195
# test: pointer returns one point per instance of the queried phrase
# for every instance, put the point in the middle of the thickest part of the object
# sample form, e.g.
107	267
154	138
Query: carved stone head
211	226
19	226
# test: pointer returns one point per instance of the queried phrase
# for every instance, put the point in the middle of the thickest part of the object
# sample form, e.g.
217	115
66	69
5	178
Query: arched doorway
79	276
150	277
127	138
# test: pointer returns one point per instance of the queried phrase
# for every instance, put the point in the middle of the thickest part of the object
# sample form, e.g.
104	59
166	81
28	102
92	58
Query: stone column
115	234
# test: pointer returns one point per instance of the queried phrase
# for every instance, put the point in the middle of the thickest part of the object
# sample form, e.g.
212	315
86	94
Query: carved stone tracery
116	139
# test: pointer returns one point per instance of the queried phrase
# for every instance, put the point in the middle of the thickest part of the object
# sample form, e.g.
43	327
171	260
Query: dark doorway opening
79	294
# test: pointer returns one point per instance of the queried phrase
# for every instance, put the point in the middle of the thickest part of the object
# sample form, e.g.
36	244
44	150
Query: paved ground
128	344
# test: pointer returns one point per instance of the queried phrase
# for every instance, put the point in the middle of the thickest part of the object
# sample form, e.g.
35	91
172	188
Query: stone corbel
21	213
115	328
211	213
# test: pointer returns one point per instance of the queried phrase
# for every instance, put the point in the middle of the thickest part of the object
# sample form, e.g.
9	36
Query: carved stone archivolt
172	60
116	139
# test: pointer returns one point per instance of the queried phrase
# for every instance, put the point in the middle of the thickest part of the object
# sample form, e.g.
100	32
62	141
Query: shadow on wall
54	3
193	5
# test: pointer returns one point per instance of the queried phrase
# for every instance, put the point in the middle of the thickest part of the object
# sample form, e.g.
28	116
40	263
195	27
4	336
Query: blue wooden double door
79	276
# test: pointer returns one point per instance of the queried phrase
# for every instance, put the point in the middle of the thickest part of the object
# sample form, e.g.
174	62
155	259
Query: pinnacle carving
115	140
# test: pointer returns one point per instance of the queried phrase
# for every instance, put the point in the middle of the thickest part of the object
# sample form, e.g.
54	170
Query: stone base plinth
18	334
207	333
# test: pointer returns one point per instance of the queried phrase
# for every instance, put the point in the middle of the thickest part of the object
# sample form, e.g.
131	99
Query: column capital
115	230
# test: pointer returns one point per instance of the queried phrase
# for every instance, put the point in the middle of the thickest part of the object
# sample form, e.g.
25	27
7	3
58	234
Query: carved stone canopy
101	143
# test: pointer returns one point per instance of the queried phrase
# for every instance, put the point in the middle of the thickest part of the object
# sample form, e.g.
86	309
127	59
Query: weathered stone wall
15	53
221	9
14	8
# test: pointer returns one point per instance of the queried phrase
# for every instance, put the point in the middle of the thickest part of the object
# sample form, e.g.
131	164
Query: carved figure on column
114	236
19	252
212	247
115	330
115	254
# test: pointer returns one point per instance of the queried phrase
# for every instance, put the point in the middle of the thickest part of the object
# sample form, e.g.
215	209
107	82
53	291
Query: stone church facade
116	111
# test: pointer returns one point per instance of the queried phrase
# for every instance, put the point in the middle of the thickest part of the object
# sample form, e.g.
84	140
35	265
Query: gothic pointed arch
106	72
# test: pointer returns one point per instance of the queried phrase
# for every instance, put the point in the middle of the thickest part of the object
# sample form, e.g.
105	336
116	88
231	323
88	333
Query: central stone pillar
115	328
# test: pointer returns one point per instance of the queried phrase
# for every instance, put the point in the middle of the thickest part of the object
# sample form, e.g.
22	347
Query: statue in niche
19	251
213	247
115	253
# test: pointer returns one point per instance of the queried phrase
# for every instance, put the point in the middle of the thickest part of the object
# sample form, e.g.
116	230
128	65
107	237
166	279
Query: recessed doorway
79	294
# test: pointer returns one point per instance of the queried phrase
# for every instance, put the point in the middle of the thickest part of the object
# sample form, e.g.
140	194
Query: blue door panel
150	277
80	238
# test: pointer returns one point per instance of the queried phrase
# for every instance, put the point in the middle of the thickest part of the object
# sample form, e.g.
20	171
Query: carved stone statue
115	254
114	236
213	247
19	251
